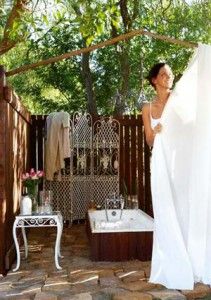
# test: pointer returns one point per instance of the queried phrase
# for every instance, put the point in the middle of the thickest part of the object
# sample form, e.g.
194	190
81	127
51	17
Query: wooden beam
109	42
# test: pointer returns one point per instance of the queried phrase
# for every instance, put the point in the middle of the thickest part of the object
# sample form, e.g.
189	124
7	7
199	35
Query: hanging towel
57	146
181	181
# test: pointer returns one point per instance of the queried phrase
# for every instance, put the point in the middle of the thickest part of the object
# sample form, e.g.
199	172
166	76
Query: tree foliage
108	80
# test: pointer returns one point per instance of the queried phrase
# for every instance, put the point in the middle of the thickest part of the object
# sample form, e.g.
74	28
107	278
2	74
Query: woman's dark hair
154	72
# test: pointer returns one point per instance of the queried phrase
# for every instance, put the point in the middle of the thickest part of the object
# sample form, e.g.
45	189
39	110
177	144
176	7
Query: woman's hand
157	129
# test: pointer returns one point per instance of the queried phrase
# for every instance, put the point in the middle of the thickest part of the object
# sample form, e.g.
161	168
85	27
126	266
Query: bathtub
120	240
132	220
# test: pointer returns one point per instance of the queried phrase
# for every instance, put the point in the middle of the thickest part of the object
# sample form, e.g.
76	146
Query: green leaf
89	40
99	28
45	19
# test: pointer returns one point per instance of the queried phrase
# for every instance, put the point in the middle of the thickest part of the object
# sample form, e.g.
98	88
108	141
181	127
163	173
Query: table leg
57	244
16	246
25	241
59	250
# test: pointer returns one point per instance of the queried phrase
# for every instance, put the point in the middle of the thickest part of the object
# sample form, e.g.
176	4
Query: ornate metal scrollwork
36	221
106	158
93	168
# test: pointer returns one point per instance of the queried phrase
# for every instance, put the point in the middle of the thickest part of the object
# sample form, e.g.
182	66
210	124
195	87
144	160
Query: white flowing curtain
181	180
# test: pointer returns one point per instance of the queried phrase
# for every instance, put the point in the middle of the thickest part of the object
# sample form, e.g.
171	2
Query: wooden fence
134	156
15	127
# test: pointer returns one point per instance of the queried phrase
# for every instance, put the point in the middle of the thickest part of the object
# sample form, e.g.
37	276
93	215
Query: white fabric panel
181	180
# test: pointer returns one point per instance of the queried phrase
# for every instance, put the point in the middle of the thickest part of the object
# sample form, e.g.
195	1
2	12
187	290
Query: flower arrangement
31	180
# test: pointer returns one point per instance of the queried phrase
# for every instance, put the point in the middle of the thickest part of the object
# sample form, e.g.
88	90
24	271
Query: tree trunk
86	73
124	85
124	61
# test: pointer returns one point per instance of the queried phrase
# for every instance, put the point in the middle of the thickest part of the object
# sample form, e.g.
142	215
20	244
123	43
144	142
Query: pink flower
40	173
24	177
32	175
32	172
31	180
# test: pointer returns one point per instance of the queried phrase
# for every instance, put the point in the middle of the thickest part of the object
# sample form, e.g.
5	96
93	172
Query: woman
171	265
180	173
161	78
163	270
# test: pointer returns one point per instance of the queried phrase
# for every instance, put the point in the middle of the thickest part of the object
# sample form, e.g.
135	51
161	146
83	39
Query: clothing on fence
181	180
57	146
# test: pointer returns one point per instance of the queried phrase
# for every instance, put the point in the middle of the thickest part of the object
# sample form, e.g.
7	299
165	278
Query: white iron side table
38	220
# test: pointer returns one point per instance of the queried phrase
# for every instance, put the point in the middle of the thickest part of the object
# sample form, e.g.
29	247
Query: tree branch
15	15
109	42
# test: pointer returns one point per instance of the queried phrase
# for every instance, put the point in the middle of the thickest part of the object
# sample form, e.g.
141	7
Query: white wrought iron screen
105	179
92	171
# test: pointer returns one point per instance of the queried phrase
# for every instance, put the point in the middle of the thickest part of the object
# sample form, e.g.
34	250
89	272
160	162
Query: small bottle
98	207
135	203
92	205
122	202
26	204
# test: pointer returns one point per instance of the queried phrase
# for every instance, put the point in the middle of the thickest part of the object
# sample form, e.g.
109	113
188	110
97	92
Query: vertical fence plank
133	156
37	141
33	142
121	160
40	139
147	175
141	190
2	171
126	150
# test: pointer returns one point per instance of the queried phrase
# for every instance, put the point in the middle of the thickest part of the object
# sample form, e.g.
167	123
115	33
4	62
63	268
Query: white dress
180	181
154	122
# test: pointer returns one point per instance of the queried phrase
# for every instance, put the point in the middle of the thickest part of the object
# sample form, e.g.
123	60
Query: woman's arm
149	132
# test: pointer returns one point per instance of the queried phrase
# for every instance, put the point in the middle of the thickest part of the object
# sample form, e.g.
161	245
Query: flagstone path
81	278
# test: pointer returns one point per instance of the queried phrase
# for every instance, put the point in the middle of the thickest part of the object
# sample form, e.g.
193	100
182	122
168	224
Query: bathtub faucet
114	203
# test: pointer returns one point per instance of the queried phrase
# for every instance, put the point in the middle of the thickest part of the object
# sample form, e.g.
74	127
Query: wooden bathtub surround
119	246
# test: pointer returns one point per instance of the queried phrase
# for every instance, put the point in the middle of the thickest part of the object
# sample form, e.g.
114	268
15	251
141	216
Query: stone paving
80	278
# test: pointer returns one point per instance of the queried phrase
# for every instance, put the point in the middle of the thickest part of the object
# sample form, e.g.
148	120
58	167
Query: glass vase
46	201
33	194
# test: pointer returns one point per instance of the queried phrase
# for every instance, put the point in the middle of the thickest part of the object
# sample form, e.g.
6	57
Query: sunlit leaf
89	40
